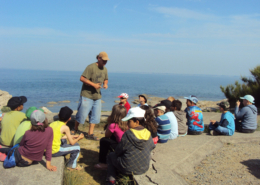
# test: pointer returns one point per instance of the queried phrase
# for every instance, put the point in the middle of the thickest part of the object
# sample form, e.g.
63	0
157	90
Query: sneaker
213	133
111	182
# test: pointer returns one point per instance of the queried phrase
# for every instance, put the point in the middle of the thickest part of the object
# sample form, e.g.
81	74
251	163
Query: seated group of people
30	137
131	133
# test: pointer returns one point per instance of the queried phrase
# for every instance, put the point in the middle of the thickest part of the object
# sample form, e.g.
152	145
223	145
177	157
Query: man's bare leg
76	127
91	128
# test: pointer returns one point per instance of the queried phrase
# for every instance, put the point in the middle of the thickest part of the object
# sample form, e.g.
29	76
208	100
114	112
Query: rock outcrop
4	97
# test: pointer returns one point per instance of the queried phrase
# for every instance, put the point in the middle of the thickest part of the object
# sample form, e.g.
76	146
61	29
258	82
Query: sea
43	86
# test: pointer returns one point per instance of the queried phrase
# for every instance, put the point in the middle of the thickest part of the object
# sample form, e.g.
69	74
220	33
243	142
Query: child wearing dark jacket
132	155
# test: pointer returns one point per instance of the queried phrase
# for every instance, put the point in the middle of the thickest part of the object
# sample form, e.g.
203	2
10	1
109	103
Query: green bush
250	86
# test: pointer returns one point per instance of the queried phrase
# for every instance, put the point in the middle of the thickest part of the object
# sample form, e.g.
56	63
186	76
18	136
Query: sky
157	36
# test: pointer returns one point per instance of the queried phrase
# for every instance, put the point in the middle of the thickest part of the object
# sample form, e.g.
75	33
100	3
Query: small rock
52	102
64	101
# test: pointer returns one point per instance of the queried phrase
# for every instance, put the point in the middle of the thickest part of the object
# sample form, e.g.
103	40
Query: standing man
90	97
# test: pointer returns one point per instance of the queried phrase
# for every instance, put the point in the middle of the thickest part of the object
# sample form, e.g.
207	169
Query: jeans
85	106
73	150
219	129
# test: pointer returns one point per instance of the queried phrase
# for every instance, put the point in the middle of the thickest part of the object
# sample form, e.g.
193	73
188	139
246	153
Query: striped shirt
164	128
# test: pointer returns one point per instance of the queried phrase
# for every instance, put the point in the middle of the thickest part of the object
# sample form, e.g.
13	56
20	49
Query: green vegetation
250	86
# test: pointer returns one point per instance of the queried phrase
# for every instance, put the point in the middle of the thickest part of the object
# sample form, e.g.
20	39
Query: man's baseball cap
14	102
37	117
30	110
224	104
144	96
160	106
103	55
248	98
123	95
135	112
65	113
192	98
166	103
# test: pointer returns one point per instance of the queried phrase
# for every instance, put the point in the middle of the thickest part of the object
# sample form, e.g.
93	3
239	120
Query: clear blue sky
220	37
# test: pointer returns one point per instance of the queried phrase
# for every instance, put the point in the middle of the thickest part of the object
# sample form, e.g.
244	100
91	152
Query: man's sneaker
213	133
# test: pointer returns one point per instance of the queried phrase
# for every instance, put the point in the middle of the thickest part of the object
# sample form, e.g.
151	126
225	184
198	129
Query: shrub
250	86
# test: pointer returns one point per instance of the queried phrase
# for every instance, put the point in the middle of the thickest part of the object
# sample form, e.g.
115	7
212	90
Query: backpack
9	161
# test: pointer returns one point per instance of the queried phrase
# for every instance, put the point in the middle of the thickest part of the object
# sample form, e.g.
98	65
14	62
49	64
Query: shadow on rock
90	158
253	165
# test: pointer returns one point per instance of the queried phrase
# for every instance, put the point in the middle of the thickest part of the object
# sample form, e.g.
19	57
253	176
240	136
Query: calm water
41	87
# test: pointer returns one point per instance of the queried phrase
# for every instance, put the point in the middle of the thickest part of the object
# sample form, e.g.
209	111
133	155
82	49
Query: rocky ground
232	164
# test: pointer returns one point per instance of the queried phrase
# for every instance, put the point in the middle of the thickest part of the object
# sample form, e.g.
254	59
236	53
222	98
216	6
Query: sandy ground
232	164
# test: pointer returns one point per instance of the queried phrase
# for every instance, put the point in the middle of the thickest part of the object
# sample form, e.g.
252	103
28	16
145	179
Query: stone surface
179	157
64	101
46	110
34	174
4	97
52	102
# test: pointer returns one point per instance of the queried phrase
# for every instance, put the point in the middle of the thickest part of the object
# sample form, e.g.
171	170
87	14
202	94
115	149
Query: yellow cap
103	55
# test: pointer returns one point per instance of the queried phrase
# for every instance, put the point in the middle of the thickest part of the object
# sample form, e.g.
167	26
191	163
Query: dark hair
224	108
177	104
149	122
14	107
140	119
40	128
117	114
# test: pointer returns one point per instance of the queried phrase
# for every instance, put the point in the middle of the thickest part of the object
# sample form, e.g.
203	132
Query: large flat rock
34	174
179	157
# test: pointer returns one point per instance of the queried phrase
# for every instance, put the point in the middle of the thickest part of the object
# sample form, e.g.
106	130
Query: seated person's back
247	115
194	116
172	119
180	116
164	126
24	126
12	120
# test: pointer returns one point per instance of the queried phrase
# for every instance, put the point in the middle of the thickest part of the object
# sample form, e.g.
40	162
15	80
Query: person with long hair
35	141
114	132
150	123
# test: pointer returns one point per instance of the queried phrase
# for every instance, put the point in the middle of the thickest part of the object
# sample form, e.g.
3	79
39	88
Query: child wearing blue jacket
226	126
194	116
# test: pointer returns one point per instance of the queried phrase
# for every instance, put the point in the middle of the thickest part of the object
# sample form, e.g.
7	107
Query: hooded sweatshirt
248	116
134	150
181	119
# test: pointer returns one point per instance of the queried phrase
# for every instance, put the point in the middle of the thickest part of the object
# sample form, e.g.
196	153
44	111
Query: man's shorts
85	106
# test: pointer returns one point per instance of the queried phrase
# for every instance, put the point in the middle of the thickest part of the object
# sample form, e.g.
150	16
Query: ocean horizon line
115	72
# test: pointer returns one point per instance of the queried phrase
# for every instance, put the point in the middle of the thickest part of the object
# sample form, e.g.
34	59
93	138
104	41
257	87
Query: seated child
123	101
172	119
164	125
12	120
142	100
226	126
180	116
194	116
24	126
114	132
35	141
61	132
132	155
171	99
150	123
246	118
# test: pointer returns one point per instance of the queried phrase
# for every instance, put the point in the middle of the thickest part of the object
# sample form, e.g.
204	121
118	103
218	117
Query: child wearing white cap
132	154
246	118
